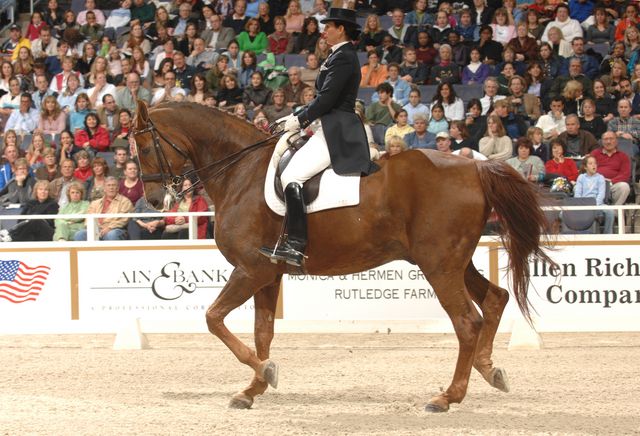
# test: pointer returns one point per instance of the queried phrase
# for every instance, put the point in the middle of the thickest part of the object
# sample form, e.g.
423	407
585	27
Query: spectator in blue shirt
592	184
401	87
24	119
590	66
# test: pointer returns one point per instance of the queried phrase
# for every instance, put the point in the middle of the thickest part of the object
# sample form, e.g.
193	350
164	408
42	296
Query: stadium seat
602	48
467	92
385	21
378	131
579	221
427	92
365	94
362	57
294	60
77	6
107	155
26	141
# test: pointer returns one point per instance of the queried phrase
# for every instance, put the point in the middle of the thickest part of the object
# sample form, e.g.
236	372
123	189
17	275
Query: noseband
171	182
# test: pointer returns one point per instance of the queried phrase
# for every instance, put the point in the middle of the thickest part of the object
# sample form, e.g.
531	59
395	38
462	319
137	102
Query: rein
171	182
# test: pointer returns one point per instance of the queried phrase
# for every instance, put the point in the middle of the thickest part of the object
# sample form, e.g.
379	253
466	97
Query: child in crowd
592	184
438	122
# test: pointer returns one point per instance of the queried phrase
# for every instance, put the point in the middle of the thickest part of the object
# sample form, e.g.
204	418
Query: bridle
172	182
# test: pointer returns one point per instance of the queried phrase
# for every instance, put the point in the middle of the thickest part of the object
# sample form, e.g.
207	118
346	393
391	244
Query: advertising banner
153	284
34	287
395	291
593	288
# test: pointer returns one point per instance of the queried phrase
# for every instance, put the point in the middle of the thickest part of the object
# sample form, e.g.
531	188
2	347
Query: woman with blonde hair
67	227
496	144
572	95
40	203
394	145
99	65
322	50
35	151
161	19
631	40
52	118
294	17
559	46
612	80
372	34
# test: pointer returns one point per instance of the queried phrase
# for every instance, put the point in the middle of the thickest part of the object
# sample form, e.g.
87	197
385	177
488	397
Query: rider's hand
291	123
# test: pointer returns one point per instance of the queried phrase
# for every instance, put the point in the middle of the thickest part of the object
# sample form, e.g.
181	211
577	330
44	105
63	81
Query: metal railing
12	14
92	227
33	3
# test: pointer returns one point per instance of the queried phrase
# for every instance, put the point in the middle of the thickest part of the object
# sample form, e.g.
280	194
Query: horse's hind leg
467	322
240	287
492	300
265	307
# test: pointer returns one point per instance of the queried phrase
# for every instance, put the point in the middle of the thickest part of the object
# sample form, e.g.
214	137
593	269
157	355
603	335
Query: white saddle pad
335	191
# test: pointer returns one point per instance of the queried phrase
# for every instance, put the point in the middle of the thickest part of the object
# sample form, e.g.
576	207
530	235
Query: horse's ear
142	115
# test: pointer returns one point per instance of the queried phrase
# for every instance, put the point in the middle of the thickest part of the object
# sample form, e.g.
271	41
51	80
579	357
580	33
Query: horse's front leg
265	307
240	287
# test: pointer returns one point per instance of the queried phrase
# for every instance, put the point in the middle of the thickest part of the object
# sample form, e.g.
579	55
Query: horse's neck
244	175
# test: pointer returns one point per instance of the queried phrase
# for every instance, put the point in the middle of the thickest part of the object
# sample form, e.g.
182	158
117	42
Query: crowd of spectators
554	77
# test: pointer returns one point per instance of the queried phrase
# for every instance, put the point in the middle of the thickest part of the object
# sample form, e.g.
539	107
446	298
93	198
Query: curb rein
171	182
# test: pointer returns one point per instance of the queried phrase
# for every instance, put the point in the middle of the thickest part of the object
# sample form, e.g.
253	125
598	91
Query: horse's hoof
499	379
240	401
437	405
435	408
269	372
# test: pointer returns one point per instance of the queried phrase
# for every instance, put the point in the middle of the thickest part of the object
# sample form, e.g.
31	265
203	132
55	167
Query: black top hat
342	16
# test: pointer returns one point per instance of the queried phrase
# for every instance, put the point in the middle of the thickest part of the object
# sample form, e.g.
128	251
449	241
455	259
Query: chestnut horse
423	206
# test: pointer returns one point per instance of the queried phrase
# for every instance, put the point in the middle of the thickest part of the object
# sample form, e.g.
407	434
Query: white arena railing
92	227
193	230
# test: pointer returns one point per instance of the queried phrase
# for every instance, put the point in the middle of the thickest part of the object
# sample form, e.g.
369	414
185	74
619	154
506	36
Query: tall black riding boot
291	250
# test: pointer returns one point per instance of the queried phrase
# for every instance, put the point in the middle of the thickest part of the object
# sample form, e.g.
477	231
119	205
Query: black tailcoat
337	88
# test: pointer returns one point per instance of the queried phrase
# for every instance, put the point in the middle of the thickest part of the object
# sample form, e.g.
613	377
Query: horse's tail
522	222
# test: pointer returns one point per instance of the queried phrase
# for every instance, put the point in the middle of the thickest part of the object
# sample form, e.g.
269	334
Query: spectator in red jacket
559	165
93	137
83	166
615	166
177	227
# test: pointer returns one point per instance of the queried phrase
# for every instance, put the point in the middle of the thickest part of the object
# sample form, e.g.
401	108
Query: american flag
20	282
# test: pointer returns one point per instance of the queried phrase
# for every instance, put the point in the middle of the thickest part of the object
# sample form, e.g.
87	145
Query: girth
311	187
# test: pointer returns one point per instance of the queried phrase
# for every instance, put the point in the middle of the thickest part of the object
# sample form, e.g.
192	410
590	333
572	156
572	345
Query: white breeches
312	158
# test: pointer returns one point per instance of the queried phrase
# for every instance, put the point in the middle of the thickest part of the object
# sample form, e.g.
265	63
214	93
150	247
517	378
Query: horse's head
161	149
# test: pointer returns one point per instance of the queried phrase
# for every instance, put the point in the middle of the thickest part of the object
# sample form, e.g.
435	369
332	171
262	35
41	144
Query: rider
340	141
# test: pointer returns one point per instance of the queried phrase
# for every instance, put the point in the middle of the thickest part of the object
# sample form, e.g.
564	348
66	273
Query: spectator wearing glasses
127	97
24	119
109	229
